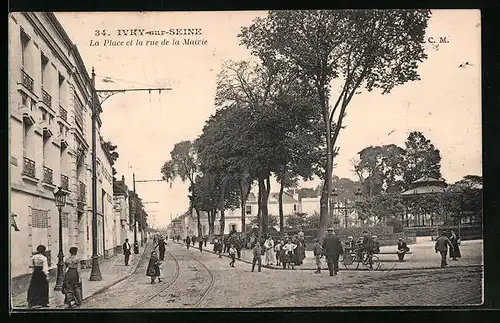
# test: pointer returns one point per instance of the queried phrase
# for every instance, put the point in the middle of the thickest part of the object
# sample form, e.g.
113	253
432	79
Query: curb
347	269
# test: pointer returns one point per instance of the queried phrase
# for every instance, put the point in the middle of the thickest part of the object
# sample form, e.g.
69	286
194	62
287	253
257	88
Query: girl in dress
269	247
153	269
38	291
72	283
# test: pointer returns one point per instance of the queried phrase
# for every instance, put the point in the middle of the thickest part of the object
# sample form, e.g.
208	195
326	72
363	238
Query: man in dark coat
188	242
442	244
368	247
332	249
161	248
402	249
127	250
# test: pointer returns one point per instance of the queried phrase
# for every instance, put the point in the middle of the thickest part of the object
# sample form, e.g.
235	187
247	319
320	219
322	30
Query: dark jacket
317	249
367	243
332	245
402	246
442	244
126	249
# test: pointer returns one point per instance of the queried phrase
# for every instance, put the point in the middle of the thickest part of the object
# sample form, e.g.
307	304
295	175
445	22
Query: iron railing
65	182
48	175
81	192
26	80
46	98
63	113
29	168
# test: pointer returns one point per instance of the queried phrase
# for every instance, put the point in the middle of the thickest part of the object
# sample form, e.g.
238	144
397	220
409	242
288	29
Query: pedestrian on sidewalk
127	251
38	291
200	244
220	248
442	244
277	252
205	239
257	256
289	251
153	269
269	247
72	283
402	249
232	254
239	245
318	253
161	248
188	242
332	249
455	242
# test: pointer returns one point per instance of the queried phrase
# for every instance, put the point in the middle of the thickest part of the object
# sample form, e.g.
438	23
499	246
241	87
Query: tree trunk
265	198
323	221
280	204
259	207
211	224
198	221
244	191
222	222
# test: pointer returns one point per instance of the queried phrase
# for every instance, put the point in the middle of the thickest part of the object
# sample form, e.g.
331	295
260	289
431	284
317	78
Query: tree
110	149
422	159
372	48
183	165
380	169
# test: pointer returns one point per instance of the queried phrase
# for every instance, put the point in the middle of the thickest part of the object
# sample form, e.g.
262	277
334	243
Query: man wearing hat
442	244
402	249
332	249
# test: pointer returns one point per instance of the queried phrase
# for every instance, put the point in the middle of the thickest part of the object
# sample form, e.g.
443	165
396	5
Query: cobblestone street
203	280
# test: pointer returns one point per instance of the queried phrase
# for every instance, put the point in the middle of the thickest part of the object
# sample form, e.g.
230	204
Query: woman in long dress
269	247
455	242
153	269
38	291
72	283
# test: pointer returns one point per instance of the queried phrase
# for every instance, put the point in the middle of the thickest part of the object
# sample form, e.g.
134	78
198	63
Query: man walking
257	256
127	250
332	248
161	248
188	242
442	244
200	244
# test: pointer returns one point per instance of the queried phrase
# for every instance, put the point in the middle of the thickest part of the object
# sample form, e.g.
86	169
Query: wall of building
45	143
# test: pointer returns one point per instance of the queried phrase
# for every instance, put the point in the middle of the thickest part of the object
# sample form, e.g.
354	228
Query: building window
24	48
295	208
233	227
248	209
39	218
45	63
61	89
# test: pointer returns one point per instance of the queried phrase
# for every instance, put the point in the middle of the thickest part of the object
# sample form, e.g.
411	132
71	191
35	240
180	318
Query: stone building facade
50	145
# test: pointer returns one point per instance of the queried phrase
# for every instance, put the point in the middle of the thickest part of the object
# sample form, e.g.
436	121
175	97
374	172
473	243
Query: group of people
447	242
38	290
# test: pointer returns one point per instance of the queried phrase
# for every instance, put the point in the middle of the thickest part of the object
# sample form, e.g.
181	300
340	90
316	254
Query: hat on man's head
400	238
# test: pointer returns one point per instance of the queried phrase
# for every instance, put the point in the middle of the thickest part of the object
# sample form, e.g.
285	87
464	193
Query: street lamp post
60	199
357	197
95	275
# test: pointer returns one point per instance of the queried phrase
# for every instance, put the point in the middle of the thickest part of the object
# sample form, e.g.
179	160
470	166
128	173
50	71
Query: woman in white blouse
289	249
38	291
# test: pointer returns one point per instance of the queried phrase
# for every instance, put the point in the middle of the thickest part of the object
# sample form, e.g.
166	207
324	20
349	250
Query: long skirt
270	256
455	252
288	258
72	288
38	291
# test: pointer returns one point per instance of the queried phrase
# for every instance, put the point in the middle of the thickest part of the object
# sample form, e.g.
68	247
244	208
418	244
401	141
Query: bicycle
355	257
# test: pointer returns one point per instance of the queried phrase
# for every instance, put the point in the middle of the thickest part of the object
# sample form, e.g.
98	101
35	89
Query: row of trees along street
280	114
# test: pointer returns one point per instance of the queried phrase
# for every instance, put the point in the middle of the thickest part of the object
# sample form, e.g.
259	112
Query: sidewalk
423	257
112	270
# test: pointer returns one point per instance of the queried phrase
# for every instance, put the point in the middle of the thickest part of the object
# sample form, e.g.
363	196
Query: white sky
445	105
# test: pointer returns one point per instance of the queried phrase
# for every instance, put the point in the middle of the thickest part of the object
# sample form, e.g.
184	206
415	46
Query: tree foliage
422	159
111	150
370	48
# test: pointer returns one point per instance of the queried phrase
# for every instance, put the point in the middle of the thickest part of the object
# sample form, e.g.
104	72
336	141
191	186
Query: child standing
232	254
257	256
277	250
289	248
318	252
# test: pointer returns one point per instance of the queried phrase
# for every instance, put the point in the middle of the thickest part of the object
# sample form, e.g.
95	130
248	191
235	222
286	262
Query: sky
445	104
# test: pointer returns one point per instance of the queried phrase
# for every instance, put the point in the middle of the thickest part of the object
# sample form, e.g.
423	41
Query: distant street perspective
264	159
